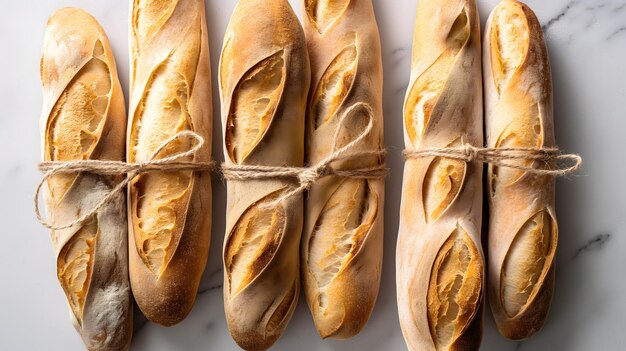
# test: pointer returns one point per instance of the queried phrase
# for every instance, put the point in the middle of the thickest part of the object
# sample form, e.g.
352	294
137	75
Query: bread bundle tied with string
167	171
444	157
264	83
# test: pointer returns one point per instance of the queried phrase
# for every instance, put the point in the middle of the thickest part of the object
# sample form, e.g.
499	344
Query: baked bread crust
83	118
522	222
440	264
169	213
264	81
342	246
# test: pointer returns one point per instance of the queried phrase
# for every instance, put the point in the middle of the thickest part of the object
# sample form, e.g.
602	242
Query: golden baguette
440	264
264	81
169	212
84	118
522	226
343	232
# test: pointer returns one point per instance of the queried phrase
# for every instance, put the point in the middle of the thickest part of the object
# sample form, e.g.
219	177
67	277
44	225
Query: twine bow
563	163
131	170
305	177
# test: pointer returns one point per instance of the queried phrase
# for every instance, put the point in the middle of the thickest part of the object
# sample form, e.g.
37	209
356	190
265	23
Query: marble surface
587	43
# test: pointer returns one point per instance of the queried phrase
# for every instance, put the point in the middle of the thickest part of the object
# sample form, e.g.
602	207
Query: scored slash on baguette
523	230
443	183
83	118
439	260
455	289
342	227
256	97
527	263
427	88
253	242
335	84
324	13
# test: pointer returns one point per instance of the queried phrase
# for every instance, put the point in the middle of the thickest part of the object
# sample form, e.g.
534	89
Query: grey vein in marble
214	282
594	244
615	33
619	8
210	288
560	15
399	54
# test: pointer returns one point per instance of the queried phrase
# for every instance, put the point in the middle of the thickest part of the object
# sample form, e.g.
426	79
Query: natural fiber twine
549	161
112	168
305	177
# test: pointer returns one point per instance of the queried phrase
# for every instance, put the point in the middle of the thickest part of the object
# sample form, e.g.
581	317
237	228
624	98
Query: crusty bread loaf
170	212
264	81
440	264
84	118
522	226
343	232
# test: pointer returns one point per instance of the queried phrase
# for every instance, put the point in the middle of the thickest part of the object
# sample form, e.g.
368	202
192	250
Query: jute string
131	170
550	161
305	177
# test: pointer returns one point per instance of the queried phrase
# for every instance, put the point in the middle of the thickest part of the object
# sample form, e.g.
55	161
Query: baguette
440	264
522	226
342	246
84	118
170	212
264	81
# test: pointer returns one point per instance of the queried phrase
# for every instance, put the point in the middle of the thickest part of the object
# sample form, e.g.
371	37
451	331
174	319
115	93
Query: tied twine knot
309	176
546	161
171	163
305	177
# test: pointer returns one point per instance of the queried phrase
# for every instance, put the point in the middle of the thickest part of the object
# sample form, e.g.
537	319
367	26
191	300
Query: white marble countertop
587	43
